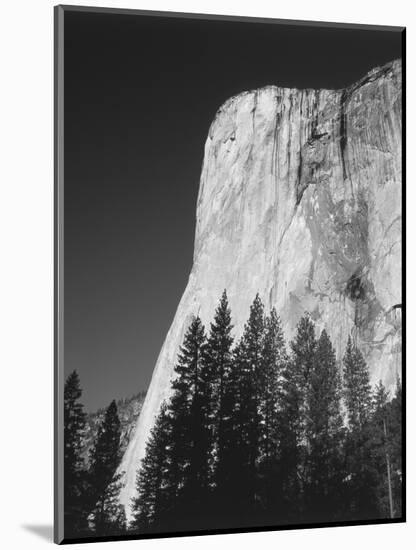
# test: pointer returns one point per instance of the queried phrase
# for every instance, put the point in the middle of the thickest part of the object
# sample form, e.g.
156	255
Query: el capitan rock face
300	201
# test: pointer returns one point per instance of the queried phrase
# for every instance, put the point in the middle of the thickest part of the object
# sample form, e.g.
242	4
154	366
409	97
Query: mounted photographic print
229	274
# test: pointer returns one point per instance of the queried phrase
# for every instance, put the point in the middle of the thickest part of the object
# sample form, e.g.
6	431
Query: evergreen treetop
357	388
74	468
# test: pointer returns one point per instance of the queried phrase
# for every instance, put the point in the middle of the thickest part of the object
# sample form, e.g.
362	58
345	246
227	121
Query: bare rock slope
299	200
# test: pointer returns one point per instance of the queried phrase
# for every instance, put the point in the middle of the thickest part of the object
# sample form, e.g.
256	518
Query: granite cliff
300	201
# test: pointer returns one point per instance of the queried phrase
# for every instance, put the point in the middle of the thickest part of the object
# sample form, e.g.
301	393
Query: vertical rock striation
299	200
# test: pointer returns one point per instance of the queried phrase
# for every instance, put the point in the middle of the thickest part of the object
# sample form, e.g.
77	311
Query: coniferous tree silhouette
149	507
292	420
248	364
395	439
229	491
233	466
357	389
274	360
254	436
381	450
386	430
325	434
188	472
357	397
74	468
106	517
218	362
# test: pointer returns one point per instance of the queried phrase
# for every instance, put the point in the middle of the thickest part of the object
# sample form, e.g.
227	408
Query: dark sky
140	94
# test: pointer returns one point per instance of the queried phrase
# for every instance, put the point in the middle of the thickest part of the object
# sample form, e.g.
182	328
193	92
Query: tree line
92	487
256	432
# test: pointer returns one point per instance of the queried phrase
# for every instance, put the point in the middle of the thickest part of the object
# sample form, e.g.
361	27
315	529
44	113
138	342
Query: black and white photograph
228	274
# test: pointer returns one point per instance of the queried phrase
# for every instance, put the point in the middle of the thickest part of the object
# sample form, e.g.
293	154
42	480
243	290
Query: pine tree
248	363
235	475
108	516
230	500
386	430
395	428
188	473
74	469
218	359
357	388
324	431
292	420
149	507
104	482
119	524
362	477
230	472
274	360
381	450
